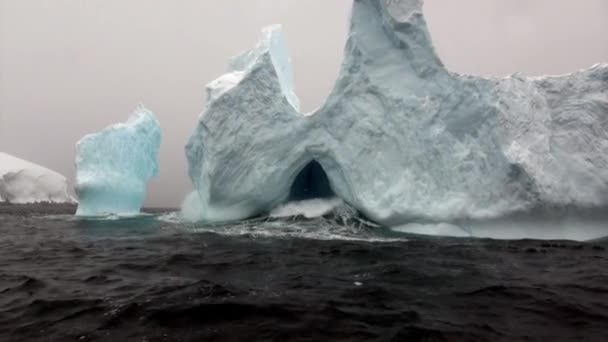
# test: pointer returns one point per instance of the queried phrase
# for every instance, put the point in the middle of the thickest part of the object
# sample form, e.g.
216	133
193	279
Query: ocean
331	278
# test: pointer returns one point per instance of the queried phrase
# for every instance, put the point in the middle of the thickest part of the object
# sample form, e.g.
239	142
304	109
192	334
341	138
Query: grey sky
72	67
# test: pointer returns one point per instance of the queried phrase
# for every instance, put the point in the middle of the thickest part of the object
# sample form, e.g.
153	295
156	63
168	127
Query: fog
72	67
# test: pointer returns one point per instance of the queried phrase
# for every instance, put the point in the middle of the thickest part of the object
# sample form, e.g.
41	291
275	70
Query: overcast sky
72	67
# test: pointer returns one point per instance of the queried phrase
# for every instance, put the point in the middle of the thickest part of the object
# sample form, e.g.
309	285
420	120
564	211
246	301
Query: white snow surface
400	137
114	166
24	182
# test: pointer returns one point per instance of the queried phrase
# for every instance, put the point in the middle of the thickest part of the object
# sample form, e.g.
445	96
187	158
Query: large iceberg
24	182
114	166
400	138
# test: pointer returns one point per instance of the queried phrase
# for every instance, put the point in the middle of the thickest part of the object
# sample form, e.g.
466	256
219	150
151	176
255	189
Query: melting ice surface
400	138
560	227
114	165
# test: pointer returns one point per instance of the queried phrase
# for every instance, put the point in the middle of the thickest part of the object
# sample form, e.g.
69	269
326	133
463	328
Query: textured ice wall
114	165
400	137
25	182
241	155
555	129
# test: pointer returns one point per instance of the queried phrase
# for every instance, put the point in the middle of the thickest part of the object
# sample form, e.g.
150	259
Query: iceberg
24	182
400	138
114	166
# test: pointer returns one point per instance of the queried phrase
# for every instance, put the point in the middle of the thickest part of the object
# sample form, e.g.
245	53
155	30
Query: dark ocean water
155	279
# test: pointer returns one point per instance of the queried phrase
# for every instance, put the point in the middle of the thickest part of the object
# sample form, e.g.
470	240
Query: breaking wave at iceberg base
332	219
308	208
112	217
317	219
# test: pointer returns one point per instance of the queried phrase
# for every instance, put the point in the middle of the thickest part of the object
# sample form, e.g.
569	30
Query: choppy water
156	279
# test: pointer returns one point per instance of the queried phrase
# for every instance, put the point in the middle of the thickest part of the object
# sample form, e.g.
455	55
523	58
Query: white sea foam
308	208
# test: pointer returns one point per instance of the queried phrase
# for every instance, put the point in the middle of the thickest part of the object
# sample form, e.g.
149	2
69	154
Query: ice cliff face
24	182
244	154
400	137
114	165
555	129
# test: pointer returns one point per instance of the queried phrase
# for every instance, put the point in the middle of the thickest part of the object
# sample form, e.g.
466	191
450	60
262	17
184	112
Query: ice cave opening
311	183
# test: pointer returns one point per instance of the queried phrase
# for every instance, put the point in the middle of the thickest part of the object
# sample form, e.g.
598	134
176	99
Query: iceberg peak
271	53
392	35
